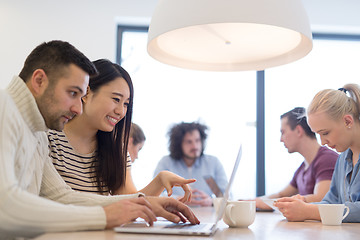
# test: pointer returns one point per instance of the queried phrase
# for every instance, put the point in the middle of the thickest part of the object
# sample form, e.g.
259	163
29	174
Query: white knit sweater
33	198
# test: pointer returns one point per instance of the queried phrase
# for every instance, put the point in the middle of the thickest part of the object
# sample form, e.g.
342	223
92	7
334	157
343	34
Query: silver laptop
169	228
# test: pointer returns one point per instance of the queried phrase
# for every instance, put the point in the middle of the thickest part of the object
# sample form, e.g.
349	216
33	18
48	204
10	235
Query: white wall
90	25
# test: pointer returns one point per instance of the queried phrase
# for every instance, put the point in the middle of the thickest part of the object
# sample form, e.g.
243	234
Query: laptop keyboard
185	225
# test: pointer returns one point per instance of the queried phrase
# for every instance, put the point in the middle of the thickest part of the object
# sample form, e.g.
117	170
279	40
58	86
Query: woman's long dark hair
112	146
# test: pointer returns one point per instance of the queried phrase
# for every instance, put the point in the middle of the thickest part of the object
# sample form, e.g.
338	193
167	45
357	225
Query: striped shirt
77	170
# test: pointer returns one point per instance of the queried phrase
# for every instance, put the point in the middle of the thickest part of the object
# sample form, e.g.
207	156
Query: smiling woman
91	154
97	134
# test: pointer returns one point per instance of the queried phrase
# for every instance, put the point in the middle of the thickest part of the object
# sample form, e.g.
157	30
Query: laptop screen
228	187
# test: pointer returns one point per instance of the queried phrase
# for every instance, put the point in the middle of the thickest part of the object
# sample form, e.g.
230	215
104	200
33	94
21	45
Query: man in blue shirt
187	159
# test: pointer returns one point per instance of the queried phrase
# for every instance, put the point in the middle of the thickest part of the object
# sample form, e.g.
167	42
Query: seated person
335	117
34	199
136	141
90	153
312	179
187	159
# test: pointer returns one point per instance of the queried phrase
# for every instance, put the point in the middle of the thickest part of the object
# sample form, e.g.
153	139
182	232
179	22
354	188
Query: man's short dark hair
53	57
297	116
176	136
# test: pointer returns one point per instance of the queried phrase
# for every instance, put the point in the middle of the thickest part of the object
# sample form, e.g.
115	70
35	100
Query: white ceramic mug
332	214
240	213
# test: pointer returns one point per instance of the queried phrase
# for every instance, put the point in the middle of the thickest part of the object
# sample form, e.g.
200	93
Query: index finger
187	181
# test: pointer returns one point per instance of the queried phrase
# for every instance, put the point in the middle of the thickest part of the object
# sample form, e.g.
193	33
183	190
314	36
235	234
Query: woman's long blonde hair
337	103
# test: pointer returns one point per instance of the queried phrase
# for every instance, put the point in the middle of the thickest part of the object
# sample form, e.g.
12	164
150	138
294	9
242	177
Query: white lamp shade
229	35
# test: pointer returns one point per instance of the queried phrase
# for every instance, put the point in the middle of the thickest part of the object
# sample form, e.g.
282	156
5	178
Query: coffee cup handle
347	212
228	213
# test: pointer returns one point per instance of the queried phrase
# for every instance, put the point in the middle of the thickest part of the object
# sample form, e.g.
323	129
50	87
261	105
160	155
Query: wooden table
266	226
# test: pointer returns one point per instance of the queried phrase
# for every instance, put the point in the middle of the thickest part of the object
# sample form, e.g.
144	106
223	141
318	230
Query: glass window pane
330	64
164	95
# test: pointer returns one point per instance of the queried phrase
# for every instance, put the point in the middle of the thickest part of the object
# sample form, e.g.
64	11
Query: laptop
169	228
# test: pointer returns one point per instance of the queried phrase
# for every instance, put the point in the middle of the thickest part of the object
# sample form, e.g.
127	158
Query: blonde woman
334	115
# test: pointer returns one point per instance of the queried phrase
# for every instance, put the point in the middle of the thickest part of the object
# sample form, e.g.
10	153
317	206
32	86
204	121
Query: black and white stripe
76	169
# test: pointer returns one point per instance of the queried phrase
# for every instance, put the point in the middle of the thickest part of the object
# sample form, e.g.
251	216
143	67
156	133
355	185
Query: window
165	95
333	62
226	103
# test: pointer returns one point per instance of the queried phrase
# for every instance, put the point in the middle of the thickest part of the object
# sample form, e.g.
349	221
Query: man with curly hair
187	159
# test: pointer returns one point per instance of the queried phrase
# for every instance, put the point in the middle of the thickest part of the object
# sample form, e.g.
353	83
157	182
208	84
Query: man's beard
46	104
193	156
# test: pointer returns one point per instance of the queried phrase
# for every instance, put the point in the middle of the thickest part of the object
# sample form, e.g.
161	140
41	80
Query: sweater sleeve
23	213
54	187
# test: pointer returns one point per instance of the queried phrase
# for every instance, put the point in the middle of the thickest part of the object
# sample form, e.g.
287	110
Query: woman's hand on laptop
128	210
172	210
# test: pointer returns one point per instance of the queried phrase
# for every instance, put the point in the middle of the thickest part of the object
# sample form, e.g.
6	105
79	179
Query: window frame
260	96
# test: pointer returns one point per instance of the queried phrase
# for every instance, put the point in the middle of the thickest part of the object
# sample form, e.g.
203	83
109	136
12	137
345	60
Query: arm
172	210
166	164
296	210
116	210
22	211
148	208
320	189
288	191
164	180
54	187
167	180
322	169
129	187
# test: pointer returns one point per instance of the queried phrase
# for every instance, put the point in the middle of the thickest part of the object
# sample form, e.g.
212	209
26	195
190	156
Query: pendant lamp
229	35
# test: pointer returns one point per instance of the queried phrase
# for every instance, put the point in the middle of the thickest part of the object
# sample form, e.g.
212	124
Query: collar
196	163
26	104
348	155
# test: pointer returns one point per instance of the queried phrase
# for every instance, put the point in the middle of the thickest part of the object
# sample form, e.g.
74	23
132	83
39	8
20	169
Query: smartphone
264	210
